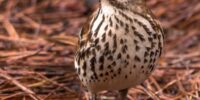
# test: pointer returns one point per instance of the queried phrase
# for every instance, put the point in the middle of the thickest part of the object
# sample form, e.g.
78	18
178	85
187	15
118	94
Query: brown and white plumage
119	46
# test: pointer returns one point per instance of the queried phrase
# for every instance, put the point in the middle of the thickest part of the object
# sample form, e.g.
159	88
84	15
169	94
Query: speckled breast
122	50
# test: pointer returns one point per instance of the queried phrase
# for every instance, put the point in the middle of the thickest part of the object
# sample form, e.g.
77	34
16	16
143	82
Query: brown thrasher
118	46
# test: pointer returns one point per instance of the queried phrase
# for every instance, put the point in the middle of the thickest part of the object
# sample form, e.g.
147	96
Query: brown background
38	40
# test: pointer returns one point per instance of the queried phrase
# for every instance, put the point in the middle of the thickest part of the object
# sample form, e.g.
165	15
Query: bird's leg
93	96
123	94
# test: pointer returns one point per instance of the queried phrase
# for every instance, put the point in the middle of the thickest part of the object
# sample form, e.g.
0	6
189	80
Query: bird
118	47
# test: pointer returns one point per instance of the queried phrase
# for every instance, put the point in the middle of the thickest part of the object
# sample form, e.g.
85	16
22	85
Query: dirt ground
38	39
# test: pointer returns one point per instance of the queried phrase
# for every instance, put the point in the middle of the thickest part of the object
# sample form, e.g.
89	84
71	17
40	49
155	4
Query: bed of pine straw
38	40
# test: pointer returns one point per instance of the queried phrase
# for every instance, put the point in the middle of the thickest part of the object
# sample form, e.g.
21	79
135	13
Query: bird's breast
122	52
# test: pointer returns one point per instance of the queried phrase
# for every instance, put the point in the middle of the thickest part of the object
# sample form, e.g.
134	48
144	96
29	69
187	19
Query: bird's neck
122	4
108	6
